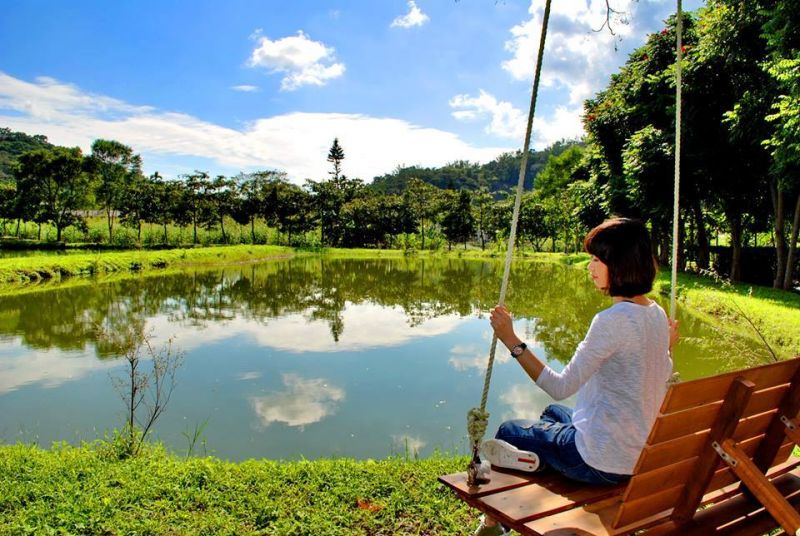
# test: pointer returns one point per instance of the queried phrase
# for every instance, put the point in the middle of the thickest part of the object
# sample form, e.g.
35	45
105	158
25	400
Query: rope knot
477	421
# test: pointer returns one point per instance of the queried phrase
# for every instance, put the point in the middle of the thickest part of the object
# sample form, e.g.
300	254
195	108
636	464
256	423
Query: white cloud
303	402
296	142
365	326
414	17
506	121
49	368
246	88
524	401
473	356
302	60
409	444
575	57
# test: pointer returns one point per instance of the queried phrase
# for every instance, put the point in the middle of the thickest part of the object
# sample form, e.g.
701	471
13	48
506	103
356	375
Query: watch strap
518	349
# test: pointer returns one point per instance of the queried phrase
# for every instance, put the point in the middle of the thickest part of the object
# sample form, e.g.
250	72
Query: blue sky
246	85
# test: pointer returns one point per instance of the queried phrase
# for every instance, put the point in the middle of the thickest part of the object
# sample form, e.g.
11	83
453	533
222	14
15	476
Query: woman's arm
599	343
501	322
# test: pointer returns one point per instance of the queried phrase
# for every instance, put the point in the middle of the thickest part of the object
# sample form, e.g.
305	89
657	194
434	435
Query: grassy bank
86	490
745	309
16	270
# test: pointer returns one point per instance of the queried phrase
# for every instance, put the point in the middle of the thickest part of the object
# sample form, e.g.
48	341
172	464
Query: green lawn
87	490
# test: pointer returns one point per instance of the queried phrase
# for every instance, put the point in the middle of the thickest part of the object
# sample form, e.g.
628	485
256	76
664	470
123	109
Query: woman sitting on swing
619	372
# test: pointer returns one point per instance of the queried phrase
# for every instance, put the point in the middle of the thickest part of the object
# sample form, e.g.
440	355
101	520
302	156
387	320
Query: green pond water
308	357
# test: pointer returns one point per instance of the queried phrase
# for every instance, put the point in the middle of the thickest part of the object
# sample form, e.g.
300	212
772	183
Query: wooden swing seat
723	442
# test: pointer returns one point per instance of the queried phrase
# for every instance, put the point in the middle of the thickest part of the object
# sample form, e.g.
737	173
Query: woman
619	372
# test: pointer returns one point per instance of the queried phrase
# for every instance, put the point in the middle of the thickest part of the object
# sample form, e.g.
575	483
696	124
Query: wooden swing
723	441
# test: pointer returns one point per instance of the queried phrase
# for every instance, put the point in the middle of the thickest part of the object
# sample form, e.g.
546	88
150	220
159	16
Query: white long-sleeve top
620	372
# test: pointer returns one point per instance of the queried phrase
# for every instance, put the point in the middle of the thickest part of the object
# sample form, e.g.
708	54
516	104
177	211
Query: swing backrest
679	443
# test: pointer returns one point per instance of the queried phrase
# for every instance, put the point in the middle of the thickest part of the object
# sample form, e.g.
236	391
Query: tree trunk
139	231
17	233
58	232
790	258
253	229
110	225
222	228
736	248
703	246
681	253
422	227
165	233
194	231
780	234
39	232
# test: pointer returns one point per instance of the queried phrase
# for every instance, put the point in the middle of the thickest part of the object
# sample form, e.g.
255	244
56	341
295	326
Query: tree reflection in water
560	299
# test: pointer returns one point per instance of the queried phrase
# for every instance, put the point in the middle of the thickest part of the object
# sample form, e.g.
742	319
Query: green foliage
14	144
458	222
52	186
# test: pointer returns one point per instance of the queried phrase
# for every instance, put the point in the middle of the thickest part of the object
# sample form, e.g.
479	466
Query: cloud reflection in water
305	401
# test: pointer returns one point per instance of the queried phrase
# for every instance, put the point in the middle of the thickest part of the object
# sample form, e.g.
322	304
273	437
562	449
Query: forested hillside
499	175
12	145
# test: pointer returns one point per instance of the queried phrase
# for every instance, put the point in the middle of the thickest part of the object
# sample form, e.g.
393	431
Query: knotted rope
478	418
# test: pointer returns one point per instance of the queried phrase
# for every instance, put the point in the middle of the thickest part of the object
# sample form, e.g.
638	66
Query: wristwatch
518	349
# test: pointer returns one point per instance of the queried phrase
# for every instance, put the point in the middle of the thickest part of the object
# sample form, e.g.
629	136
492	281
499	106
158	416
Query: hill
501	174
13	144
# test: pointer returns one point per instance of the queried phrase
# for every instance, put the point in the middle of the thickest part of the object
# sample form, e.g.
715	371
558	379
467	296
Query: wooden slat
596	518
725	477
500	481
520	505
735	517
681	448
761	488
707	390
728	418
789	408
682	423
654	482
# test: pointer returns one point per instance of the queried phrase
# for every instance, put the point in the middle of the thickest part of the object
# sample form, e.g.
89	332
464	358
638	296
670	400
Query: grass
15	270
88	490
745	309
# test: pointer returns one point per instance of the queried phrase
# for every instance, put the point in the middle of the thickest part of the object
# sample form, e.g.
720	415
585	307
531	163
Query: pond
307	357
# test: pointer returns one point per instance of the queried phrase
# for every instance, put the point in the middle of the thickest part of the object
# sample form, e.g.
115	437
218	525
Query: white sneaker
503	454
494	530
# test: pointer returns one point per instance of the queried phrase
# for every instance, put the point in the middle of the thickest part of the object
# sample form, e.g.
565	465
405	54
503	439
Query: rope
478	418
677	181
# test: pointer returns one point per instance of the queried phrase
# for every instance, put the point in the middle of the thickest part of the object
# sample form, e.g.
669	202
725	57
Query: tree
255	190
330	196
421	199
135	202
458	223
783	45
335	157
115	166
195	187
726	77
220	202
292	208
53	185
481	202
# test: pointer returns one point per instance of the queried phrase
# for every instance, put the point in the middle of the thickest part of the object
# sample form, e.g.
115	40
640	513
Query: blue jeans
552	438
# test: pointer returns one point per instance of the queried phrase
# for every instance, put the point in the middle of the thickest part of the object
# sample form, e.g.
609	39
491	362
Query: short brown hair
623	244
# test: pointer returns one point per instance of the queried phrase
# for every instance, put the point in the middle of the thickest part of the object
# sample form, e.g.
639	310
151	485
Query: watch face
517	350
